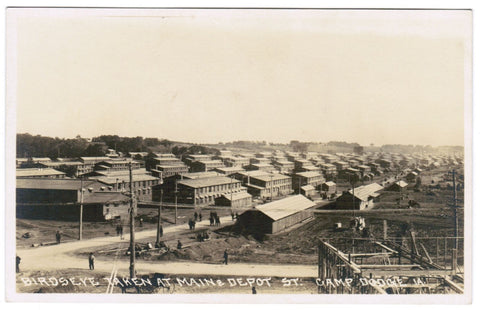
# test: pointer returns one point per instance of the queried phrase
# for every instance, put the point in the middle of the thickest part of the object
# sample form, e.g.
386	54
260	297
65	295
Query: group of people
197	216
203	236
214	219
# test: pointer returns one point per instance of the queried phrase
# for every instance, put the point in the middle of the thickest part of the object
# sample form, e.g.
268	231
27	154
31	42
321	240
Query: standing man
225	257
58	236
121	231
17	264
200	217
91	261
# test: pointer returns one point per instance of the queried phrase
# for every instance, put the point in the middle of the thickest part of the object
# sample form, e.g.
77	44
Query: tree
358	150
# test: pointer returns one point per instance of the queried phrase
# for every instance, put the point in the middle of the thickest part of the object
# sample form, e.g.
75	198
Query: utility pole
176	201
455	212
132	226
271	187
80	228
159	222
299	185
231	195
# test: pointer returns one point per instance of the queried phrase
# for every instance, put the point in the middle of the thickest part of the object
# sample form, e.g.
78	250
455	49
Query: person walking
200	217
91	261
17	263
195	216
58	236
225	257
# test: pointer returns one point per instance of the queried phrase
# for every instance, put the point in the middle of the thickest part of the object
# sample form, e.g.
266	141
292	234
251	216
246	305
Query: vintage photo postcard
226	155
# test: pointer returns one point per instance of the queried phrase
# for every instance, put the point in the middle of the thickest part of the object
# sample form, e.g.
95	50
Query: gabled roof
126	178
59	184
63	163
41	159
32	172
330	183
308	187
202	182
308	174
282	208
270	177
366	191
199	175
401	183
229	169
236	196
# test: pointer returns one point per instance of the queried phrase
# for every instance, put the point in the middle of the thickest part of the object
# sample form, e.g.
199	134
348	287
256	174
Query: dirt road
58	257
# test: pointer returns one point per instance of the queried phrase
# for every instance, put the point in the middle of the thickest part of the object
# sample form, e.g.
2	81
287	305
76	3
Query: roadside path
58	257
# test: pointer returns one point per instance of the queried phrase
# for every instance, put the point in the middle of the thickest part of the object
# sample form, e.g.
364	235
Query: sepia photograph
228	153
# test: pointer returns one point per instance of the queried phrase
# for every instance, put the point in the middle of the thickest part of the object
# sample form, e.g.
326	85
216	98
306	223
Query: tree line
41	146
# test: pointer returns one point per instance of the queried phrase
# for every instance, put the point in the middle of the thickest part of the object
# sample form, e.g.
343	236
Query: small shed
360	198
398	186
412	176
276	216
235	200
329	188
307	190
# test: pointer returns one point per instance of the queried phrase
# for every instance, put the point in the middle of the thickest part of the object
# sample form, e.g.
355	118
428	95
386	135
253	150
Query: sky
207	76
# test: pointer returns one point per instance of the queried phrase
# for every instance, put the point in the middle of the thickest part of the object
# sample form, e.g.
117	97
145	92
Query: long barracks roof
271	177
181	165
229	169
59	184
32	172
126	178
96	159
253	173
308	174
123	172
203	182
199	175
285	207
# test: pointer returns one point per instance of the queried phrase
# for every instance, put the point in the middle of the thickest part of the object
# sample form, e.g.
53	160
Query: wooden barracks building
60	199
198	191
